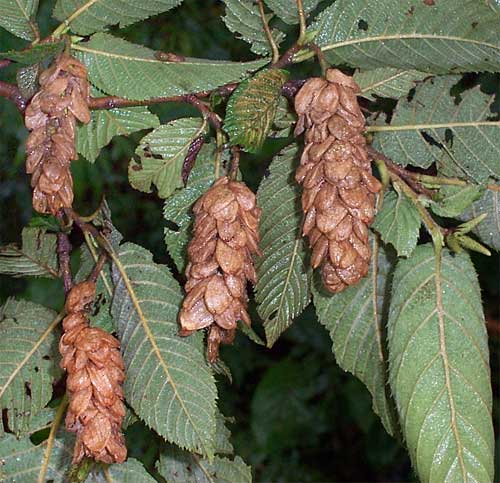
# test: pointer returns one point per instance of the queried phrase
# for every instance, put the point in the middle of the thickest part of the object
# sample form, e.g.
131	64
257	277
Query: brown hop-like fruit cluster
96	373
220	262
338	196
51	118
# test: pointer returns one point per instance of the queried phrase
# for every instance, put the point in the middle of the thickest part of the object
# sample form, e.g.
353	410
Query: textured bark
96	373
220	263
51	117
338	196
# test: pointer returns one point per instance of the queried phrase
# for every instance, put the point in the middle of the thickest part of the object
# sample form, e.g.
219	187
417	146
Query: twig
63	256
219	139
286	58
93	252
4	63
235	162
290	89
302	22
205	111
401	172
98	267
320	56
267	31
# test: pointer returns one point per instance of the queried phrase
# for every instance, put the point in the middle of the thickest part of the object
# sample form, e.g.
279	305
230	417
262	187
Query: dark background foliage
298	417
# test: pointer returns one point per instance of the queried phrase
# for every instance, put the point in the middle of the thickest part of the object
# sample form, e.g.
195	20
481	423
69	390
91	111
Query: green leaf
488	231
284	121
168	382
36	257
283	271
387	82
286	10
22	461
28	360
162	154
433	128
252	107
409	34
132	471
85	17
121	68
398	223
456	199
438	367
177	208
356	319
242	17
106	124
178	466
35	53
16	17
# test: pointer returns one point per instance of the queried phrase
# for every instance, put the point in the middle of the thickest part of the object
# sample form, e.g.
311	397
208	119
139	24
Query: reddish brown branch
4	63
11	92
63	254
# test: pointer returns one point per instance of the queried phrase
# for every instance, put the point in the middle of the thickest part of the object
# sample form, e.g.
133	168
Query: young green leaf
438	367
410	34
35	53
106	124
121	68
177	208
356	319
488	230
17	17
169	384
387	82
162	154
252	108
36	257
456	199
398	223
286	10
178	466
28	360
433	127
243	18
85	17
284	274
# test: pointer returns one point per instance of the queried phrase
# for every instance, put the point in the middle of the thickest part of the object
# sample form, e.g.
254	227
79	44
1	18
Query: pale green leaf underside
168	382
177	208
456	199
162	154
243	18
439	368
22	461
449	36
286	10
129	70
178	466
284	275
252	108
398	223
15	16
356	320
387	82
85	17
488	230
34	54
106	124
28	360
433	128
36	257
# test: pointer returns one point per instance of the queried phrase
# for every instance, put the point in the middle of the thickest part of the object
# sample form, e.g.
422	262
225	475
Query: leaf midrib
420	127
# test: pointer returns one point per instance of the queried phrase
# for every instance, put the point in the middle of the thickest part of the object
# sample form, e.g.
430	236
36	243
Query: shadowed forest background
299	417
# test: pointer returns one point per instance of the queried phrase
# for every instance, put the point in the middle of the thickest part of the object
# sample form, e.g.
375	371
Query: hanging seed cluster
338	196
96	373
220	262
51	118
